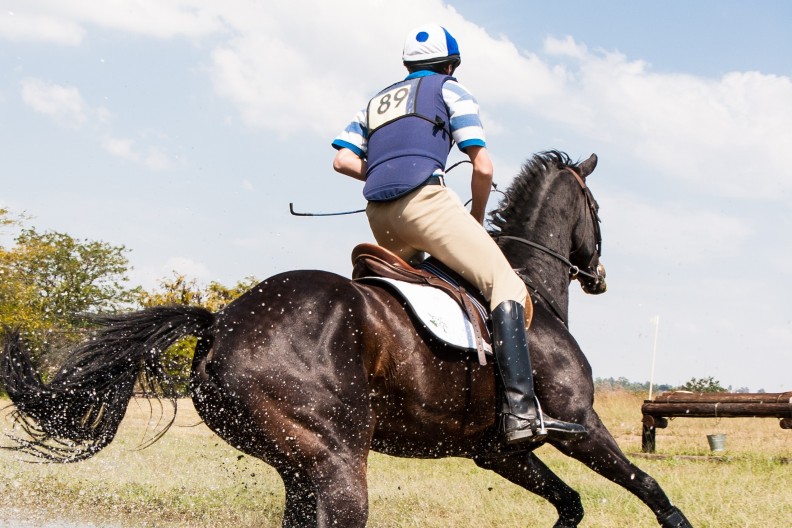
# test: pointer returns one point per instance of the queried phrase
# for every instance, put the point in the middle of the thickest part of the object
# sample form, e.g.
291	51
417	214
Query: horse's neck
551	278
547	226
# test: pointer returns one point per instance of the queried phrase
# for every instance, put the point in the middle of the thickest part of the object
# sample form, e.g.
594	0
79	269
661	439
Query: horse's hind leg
325	487
526	470
300	508
600	452
342	492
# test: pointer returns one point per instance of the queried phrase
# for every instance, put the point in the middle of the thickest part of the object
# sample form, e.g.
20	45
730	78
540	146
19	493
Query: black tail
77	414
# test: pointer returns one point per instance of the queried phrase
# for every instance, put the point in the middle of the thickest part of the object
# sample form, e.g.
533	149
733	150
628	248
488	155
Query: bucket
717	442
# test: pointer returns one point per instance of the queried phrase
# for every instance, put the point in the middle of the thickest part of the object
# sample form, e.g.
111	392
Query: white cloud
25	26
566	47
152	157
64	22
66	106
727	136
62	103
293	74
186	266
123	148
670	233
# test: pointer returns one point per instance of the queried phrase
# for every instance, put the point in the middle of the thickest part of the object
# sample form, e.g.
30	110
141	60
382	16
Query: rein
544	294
574	271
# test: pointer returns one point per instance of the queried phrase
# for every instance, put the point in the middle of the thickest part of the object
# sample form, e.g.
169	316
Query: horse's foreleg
599	451
526	470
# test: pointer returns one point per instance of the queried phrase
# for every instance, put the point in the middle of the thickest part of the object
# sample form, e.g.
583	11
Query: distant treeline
694	385
630	386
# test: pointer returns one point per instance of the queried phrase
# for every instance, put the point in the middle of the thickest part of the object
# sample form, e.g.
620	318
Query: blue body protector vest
409	137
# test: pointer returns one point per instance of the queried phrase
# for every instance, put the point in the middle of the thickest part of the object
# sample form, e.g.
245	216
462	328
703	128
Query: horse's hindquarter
428	399
284	379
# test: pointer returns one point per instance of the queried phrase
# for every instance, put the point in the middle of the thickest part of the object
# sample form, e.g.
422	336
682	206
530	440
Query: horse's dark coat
309	371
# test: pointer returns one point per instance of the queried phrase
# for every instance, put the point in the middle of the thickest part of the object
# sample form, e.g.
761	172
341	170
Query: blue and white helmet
428	45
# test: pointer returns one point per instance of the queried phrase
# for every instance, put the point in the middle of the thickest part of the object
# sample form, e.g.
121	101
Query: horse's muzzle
597	285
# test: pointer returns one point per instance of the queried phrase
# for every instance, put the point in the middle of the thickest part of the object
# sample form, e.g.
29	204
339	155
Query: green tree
70	277
703	385
50	280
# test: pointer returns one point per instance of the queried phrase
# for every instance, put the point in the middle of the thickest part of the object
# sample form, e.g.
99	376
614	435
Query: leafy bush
703	385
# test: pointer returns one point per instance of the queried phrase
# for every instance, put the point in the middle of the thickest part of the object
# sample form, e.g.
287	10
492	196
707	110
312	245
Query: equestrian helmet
429	45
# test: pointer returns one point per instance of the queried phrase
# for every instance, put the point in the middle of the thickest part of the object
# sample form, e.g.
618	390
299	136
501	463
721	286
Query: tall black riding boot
521	415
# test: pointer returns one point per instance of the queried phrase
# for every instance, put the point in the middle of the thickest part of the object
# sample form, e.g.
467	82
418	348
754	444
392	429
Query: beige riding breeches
433	219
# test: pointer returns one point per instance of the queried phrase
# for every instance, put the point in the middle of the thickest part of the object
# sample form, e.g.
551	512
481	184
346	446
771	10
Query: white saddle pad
439	313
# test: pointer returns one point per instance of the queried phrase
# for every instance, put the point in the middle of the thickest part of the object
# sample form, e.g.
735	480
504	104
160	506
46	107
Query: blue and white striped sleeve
463	109
355	136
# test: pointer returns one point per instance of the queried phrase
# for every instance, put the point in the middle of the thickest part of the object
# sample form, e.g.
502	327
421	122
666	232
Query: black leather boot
521	415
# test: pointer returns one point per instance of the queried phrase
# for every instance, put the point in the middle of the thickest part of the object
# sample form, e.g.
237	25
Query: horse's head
586	235
549	198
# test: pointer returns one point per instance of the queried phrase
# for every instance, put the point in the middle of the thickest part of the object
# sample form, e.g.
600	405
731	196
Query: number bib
391	104
409	136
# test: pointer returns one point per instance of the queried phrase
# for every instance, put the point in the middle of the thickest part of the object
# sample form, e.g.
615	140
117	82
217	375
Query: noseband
595	220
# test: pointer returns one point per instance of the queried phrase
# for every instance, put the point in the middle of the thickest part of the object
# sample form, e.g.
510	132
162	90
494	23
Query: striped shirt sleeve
354	136
463	109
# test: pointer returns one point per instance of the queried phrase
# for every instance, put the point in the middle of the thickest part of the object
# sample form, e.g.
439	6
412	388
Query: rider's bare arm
348	163
481	182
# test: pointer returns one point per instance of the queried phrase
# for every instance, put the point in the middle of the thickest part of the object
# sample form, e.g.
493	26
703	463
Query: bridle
592	272
591	204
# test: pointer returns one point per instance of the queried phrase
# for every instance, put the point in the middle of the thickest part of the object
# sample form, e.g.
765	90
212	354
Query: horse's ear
588	166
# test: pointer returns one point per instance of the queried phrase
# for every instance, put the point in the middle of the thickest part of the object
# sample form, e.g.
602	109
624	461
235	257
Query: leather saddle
370	260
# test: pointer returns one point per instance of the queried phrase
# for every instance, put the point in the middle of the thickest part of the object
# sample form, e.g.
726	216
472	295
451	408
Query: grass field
192	478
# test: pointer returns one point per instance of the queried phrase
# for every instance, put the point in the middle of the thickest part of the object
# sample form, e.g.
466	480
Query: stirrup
540	427
541	431
527	433
534	430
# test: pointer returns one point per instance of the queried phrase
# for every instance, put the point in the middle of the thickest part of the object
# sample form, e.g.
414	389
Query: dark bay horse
309	370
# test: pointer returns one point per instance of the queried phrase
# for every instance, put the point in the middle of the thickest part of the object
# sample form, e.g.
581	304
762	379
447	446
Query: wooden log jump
680	404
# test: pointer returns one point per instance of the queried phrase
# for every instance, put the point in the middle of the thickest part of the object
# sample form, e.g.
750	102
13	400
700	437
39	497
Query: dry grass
192	478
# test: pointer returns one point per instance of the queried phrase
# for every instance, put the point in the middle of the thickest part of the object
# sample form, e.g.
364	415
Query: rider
399	144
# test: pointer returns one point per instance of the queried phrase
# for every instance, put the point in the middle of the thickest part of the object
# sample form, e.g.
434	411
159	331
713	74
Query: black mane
522	192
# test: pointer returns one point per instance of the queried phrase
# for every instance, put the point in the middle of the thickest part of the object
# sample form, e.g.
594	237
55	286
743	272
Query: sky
183	129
